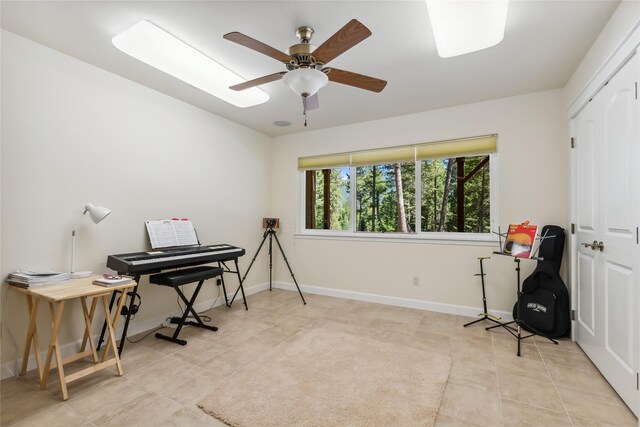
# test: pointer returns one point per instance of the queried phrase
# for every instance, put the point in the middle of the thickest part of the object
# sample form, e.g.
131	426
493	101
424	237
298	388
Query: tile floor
489	386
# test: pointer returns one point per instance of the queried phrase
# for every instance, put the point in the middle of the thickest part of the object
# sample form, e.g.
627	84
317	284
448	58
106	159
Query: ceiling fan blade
356	80
259	81
346	38
258	46
311	102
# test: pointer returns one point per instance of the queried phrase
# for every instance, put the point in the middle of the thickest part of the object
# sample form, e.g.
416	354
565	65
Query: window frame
446	237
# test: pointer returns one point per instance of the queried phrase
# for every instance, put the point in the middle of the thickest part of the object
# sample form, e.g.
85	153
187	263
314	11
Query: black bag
544	302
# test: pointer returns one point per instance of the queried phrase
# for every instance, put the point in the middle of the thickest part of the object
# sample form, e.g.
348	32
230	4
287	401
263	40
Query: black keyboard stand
131	309
123	264
240	280
175	279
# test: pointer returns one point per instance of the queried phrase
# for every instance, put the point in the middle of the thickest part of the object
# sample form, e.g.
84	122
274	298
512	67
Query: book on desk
108	280
36	278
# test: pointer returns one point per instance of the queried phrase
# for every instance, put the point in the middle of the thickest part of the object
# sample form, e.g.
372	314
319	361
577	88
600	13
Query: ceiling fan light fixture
159	49
305	81
466	26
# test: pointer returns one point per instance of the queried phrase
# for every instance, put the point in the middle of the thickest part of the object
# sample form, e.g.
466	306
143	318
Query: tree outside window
327	199
452	194
385	198
455	195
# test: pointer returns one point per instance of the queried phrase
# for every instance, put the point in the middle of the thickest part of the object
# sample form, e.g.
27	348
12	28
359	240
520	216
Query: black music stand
269	232
519	324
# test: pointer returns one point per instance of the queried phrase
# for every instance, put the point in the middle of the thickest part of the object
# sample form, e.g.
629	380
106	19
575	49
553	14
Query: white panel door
586	228
607	219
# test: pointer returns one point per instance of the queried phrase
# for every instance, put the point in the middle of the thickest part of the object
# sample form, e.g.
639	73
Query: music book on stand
520	240
171	232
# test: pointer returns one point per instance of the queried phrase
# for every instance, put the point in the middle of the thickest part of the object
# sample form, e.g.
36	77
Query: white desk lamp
97	214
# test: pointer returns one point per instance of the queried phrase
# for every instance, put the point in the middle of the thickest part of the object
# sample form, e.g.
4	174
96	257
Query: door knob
590	245
594	246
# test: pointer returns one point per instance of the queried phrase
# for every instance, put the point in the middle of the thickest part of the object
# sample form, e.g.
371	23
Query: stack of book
109	280
36	278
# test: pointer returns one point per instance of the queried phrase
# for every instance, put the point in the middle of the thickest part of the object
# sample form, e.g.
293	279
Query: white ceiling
543	44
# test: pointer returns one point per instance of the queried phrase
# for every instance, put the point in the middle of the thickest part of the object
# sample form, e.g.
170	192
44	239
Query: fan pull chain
304	109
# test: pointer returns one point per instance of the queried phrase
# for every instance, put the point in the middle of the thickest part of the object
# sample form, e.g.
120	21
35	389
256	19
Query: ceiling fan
306	64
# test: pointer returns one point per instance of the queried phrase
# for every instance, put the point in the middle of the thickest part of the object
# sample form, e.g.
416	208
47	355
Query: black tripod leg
244	298
264	237
289	267
271	234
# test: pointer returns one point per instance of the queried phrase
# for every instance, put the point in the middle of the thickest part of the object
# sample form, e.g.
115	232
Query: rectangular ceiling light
463	26
154	46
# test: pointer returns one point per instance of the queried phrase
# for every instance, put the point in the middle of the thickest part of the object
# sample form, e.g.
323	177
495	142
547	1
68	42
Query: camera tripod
271	234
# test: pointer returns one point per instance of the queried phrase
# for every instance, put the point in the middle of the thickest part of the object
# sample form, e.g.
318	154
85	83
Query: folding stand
177	278
517	331
485	315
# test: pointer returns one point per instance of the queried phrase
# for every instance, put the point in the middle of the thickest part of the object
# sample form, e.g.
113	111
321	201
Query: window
456	194
385	197
443	187
327	199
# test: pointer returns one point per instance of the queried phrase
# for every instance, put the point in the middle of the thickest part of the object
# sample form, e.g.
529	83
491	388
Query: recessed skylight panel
464	26
159	49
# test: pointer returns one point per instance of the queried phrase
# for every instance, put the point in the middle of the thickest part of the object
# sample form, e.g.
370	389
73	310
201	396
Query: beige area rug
323	377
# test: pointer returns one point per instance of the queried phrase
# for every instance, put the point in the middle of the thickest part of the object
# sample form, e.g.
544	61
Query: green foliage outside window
440	213
380	206
339	199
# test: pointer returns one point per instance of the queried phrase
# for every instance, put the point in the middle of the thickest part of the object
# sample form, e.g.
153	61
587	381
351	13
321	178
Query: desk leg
111	344
54	345
88	319
32	336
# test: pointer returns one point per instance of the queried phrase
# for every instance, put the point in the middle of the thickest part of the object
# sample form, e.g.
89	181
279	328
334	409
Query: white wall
533	154
73	134
621	24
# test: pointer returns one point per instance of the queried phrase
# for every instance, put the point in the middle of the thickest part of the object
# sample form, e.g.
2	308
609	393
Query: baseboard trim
12	368
439	307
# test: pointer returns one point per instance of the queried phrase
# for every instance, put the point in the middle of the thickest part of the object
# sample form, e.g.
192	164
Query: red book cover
520	240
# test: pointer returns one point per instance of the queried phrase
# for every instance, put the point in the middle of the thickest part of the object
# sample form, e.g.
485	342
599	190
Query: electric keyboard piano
140	263
150	262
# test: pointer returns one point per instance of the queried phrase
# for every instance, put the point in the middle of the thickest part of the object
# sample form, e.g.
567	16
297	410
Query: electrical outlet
416	281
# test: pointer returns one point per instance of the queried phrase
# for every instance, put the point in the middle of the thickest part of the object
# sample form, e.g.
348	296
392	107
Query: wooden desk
57	295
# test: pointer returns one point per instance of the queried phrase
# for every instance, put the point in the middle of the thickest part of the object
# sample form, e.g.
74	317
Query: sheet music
166	233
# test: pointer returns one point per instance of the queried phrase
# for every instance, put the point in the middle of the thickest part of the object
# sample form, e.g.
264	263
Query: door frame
627	48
